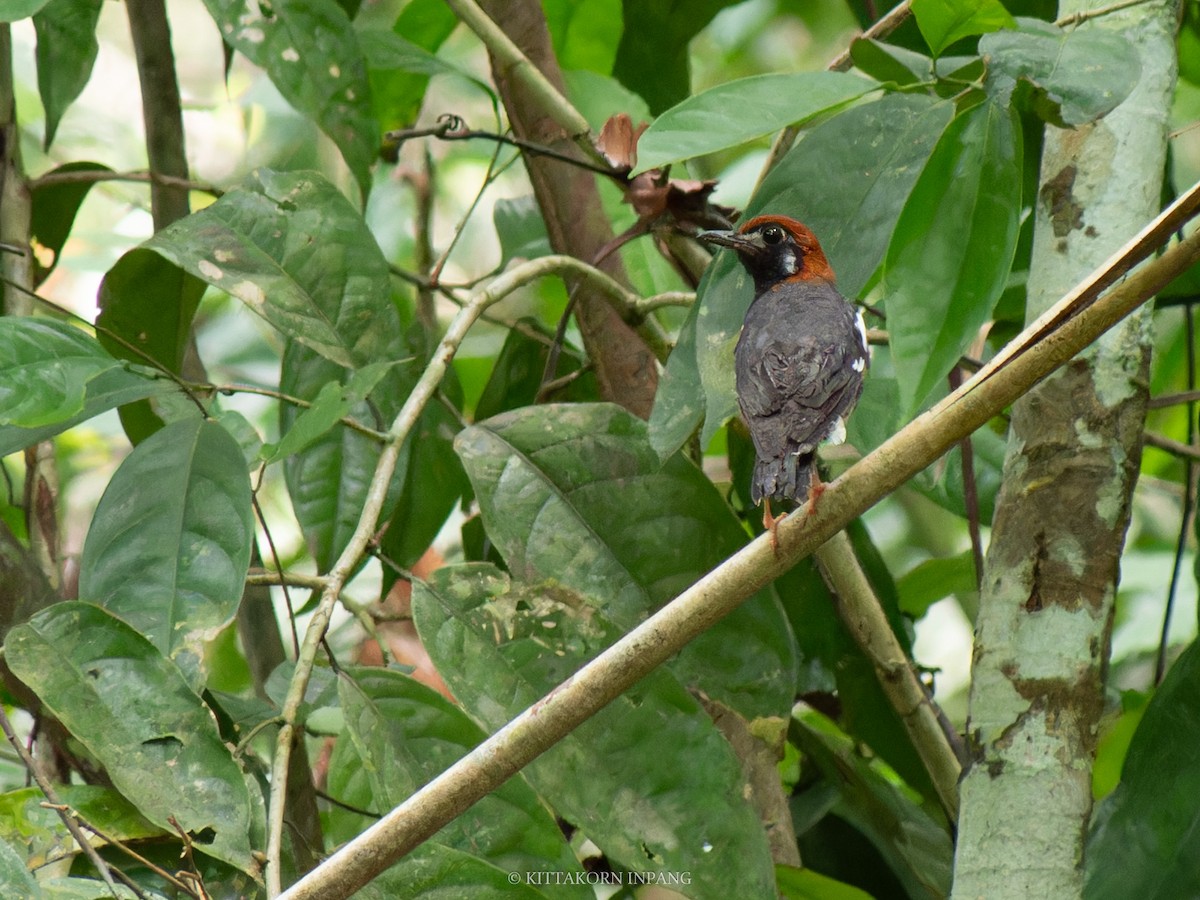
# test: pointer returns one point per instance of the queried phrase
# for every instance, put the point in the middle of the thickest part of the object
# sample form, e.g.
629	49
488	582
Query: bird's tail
782	479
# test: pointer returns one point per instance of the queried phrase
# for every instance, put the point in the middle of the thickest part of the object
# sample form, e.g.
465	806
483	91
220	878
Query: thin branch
1172	446
1084	15
1166	400
96	176
230	389
452	128
341	570
51	794
1185	513
268	577
717	594
515	64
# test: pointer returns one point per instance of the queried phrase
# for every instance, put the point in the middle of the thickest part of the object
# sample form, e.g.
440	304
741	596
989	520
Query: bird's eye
772	234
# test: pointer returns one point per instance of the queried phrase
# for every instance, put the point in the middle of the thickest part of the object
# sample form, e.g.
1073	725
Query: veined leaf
169	545
66	52
501	645
742	110
953	246
575	493
942	22
310	50
132	709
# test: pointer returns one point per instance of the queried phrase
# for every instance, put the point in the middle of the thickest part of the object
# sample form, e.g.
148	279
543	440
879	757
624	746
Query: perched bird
800	357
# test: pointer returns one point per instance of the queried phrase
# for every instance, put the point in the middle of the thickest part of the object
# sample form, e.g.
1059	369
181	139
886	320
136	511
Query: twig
1185	513
313	582
1166	400
137	857
1169	445
514	63
451	127
94	176
717	594
333	582
1084	15
51	794
230	389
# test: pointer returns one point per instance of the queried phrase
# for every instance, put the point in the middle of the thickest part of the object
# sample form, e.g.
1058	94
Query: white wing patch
861	324
837	434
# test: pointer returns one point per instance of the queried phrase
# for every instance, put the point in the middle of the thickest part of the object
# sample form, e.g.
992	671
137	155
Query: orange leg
816	487
771	523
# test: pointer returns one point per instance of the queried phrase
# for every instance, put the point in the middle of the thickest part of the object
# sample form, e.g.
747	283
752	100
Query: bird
800	358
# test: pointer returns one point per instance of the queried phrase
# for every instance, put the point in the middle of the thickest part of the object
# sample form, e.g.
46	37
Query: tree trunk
570	203
1043	632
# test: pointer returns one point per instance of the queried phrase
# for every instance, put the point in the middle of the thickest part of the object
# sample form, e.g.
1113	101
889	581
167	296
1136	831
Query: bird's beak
731	239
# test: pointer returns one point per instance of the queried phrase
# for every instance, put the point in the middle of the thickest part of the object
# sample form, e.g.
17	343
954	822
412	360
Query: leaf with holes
502	644
574	492
131	708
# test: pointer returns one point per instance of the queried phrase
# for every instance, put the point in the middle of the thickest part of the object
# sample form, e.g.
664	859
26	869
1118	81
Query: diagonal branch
717	594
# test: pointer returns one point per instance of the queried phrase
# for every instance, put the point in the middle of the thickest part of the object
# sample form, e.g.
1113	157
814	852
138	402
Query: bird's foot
771	524
816	487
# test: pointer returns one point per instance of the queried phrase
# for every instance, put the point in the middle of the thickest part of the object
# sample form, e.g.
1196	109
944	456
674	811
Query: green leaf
310	51
332	403
652	57
586	33
942	22
404	735
805	884
54	209
1073	76
169	545
502	645
847	180
15	10
742	110
433	483
875	801
935	579
1147	832
27	823
521	229
295	251
516	375
949	259
66	52
109	389
134	712
15	880
574	492
45	367
327	480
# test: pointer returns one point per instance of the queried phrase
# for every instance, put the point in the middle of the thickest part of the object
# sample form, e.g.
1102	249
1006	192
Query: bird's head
775	249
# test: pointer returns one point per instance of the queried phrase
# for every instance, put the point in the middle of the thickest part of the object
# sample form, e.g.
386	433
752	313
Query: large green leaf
739	111
652	57
109	389
1147	834
501	645
403	735
134	712
586	33
66	52
15	880
942	22
295	251
847	180
950	256
45	367
169	544
1074	76
575	493
310	51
